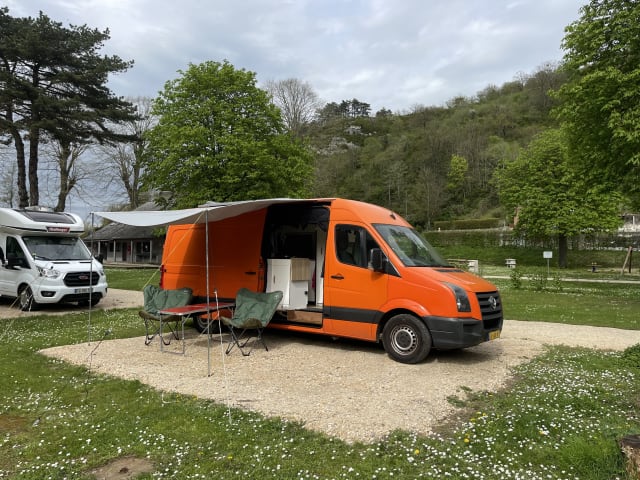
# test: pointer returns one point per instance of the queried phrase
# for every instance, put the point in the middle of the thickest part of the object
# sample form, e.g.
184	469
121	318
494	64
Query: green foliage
457	172
516	278
538	281
468	224
220	138
550	197
53	84
404	161
600	104
631	356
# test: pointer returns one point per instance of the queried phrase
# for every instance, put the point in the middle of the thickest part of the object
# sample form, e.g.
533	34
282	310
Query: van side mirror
377	260
14	262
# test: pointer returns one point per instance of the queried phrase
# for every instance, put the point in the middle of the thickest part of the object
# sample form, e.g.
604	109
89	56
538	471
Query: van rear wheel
406	339
201	323
25	298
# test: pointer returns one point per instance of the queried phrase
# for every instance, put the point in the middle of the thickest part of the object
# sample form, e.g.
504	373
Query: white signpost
548	255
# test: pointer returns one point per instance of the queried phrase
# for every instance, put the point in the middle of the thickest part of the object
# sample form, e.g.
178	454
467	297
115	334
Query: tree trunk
562	251
63	171
34	192
67	156
23	194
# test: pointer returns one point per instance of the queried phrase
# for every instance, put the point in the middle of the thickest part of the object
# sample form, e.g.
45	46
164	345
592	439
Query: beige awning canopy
209	212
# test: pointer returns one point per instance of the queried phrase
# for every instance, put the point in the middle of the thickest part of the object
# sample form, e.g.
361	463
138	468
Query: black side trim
352	314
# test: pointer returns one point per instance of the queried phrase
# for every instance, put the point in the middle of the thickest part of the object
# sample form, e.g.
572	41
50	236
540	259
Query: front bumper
451	333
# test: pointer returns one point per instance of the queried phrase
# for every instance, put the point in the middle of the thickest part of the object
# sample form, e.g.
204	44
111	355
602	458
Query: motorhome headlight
462	299
49	272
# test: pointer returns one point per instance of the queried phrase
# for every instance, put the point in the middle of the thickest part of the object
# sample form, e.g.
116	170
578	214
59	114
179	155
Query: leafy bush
631	356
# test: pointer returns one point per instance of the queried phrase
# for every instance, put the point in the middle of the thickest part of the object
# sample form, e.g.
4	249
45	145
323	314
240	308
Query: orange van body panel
338	328
234	256
356	301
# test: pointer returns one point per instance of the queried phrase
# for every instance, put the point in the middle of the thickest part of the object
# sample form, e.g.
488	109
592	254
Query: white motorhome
44	260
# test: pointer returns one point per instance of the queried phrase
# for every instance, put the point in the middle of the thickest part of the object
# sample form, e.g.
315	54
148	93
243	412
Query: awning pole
206	262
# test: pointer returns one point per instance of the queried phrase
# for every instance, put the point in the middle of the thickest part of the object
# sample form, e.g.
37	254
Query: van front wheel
25	298
406	339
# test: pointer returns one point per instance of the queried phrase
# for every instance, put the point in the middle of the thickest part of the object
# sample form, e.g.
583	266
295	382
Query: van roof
40	221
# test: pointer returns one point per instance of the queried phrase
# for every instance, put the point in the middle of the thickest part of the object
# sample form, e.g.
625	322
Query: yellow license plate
494	335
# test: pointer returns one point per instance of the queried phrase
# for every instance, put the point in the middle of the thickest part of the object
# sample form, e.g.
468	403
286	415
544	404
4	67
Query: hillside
433	163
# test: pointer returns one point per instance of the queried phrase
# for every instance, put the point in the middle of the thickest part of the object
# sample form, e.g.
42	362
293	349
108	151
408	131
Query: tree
551	198
124	160
600	104
53	84
66	156
457	173
296	100
219	137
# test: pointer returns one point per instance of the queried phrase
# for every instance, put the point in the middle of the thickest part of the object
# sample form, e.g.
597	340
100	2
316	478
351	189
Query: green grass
560	418
577	303
577	260
132	278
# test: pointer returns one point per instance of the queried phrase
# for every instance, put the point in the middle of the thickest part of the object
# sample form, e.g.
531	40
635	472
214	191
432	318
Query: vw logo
493	302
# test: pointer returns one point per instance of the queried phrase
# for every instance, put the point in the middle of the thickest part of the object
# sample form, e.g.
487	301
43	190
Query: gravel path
350	390
115	299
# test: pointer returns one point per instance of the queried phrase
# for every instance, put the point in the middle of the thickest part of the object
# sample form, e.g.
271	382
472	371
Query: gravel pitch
349	390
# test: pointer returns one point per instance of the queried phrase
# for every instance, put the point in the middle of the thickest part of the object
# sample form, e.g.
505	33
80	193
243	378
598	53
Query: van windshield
56	248
410	247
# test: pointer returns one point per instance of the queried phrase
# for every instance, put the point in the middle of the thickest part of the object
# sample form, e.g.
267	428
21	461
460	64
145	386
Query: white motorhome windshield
410	247
56	248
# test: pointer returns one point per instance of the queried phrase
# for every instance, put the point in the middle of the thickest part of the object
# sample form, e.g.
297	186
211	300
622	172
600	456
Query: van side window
353	245
15	252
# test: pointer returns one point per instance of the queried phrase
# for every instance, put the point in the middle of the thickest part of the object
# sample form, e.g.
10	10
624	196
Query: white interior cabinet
291	276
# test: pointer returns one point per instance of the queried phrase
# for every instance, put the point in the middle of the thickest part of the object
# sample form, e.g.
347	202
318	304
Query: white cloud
388	54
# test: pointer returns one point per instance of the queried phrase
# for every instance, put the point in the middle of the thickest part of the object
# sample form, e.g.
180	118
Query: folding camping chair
155	300
252	314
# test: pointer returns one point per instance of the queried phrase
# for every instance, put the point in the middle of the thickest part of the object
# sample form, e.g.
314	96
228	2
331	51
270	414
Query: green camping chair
155	300
252	313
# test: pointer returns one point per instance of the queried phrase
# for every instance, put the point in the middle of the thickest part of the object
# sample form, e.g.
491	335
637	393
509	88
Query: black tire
94	301
200	324
25	298
406	339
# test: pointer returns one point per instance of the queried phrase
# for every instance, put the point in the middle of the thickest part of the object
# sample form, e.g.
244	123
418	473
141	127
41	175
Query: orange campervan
346	268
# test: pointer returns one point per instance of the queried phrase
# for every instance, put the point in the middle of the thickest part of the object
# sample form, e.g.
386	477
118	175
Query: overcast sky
392	54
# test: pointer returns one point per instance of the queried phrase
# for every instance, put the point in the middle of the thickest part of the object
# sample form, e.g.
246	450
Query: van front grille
81	279
491	308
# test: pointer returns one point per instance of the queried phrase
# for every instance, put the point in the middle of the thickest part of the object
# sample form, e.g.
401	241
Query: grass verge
559	419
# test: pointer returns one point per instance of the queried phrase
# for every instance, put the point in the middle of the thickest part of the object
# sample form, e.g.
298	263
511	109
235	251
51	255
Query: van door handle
250	273
337	277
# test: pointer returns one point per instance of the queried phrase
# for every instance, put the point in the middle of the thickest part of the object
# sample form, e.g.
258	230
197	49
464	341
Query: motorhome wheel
85	303
26	300
406	339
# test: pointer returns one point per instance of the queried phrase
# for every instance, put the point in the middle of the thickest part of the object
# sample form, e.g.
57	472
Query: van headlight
462	299
49	272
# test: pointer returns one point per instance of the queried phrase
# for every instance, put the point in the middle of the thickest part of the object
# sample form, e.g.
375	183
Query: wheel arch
392	313
21	286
